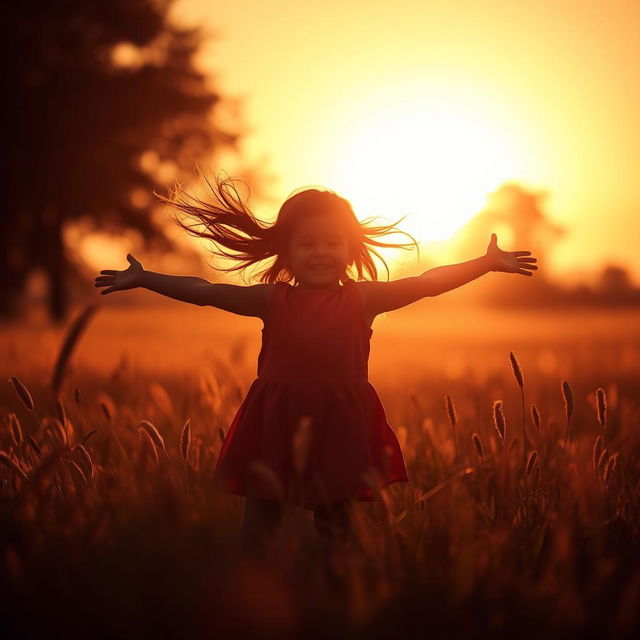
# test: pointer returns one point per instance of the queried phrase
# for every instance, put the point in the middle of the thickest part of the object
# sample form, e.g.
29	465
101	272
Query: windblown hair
229	223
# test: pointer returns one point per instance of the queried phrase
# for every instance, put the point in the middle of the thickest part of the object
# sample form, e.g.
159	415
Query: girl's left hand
509	261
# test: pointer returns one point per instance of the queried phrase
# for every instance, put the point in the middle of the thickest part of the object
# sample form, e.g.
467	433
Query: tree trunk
13	271
10	291
55	264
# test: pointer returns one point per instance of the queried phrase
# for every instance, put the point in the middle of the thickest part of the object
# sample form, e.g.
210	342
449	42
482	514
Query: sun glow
434	162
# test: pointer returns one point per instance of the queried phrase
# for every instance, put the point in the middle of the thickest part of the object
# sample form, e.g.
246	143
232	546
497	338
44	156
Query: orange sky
546	93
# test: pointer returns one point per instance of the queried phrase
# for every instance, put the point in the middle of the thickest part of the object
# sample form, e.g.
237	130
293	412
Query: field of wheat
112	527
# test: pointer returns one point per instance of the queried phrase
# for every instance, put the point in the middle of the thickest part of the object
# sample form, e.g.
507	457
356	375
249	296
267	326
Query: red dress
313	363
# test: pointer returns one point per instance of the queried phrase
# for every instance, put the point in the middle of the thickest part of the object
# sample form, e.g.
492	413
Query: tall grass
109	508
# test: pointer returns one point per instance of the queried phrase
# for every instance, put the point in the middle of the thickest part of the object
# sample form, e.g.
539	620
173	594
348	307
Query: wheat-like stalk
185	440
601	404
148	438
87	461
72	336
7	461
535	416
499	421
79	470
601	409
517	371
603	456
451	410
531	460
58	430
107	405
477	443
595	454
609	469
15	429
453	419
23	393
567	395
150	429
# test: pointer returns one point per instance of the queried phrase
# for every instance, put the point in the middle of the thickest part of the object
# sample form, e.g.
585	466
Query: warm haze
425	107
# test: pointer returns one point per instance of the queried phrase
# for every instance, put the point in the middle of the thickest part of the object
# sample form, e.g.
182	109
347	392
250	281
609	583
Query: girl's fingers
528	266
524	273
109	272
528	259
104	279
107	291
520	253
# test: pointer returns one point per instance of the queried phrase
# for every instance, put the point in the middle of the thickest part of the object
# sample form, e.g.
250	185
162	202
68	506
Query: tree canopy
99	97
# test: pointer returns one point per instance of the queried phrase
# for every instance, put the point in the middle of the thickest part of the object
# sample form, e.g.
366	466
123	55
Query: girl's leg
332	521
259	520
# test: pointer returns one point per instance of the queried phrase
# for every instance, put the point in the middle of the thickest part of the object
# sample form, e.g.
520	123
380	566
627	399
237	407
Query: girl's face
318	252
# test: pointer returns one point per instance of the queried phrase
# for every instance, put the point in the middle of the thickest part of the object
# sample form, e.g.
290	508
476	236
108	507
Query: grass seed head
498	420
567	394
601	405
601	459
535	416
597	449
517	371
608	470
87	462
185	440
531	461
477	443
59	432
15	429
451	410
7	461
150	429
79	470
107	405
23	393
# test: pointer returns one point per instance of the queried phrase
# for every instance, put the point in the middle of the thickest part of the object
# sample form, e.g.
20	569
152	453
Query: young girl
311	429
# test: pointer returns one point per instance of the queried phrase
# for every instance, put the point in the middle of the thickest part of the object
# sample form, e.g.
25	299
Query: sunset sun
435	163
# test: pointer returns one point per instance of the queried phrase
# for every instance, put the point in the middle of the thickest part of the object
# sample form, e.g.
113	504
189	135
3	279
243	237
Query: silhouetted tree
615	281
519	210
102	105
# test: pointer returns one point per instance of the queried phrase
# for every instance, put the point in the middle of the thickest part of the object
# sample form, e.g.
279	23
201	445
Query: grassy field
120	539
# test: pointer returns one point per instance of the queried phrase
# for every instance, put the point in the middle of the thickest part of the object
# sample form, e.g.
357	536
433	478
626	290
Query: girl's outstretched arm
246	301
379	297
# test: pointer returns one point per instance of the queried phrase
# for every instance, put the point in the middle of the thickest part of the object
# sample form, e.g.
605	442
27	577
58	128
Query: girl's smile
318	252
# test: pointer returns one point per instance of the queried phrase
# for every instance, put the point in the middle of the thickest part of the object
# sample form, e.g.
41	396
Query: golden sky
425	107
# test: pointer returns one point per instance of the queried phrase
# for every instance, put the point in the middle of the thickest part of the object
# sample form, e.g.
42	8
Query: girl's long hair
228	222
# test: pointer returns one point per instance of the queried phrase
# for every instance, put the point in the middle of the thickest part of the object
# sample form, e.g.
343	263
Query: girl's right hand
121	280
